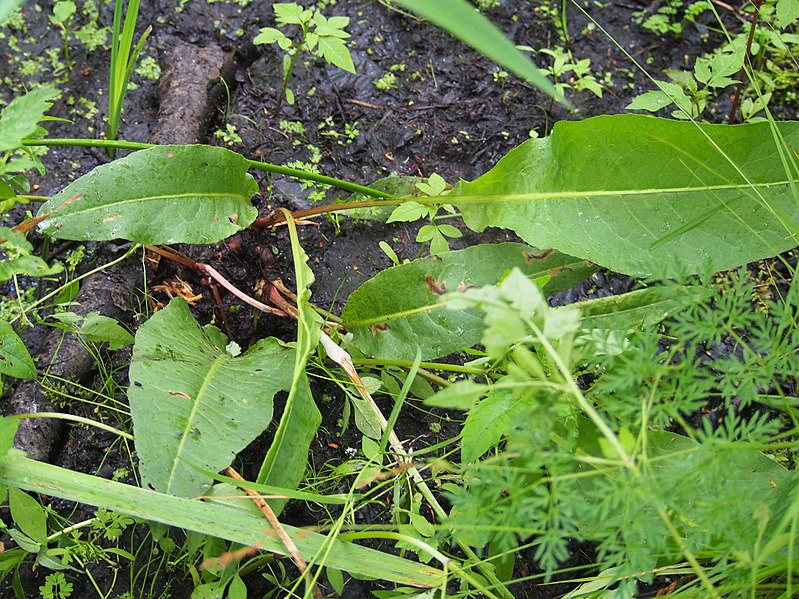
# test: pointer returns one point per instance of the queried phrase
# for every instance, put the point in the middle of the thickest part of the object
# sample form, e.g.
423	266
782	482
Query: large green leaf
7	8
164	194
400	308
14	357
218	520
643	195
20	118
193	404
466	23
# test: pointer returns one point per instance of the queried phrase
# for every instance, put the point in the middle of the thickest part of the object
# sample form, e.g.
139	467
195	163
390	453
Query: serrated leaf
19	119
335	52
14	357
643	195
401	307
164	194
488	421
192	403
27	265
408	212
268	35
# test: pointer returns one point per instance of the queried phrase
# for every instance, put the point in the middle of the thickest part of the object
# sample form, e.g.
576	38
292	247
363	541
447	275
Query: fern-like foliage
658	459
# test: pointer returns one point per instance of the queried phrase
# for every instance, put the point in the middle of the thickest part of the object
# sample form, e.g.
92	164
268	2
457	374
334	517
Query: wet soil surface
450	112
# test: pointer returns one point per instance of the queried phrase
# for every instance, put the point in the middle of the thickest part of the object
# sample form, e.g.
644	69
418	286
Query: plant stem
736	100
74	418
254	164
428	365
290	69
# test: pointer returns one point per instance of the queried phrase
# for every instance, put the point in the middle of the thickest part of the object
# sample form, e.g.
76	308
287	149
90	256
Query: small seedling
435	233
63	11
228	135
322	36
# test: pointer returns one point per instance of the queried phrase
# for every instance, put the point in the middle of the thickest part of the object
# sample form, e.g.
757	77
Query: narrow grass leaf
465	22
642	195
211	519
287	457
164	194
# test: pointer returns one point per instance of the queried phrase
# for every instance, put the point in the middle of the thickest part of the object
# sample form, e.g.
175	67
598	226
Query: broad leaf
643	195
193	404
469	25
14	357
401	307
29	515
19	119
164	194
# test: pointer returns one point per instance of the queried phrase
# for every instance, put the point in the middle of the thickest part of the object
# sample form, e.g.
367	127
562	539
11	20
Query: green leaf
97	327
225	522
286	459
28	514
636	309
19	119
787	12
469	25
192	403
62	10
488	421
7	8
290	13
269	35
335	52
237	588
14	357
8	430
408	212
643	195
401	307
165	194
460	396
27	265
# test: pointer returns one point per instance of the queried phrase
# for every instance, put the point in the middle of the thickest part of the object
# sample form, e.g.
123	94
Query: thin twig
279	530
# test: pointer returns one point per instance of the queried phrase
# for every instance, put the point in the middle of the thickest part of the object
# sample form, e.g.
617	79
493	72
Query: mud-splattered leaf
14	357
165	194
192	403
401	307
643	195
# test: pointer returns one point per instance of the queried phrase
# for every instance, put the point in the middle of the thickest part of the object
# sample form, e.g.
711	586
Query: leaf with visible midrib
193	404
164	194
644	195
400	308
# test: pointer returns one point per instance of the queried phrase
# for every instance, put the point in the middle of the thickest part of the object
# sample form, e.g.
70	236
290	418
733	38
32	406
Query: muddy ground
451	112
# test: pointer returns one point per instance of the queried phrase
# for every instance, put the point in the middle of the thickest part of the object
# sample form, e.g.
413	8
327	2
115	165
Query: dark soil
447	115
